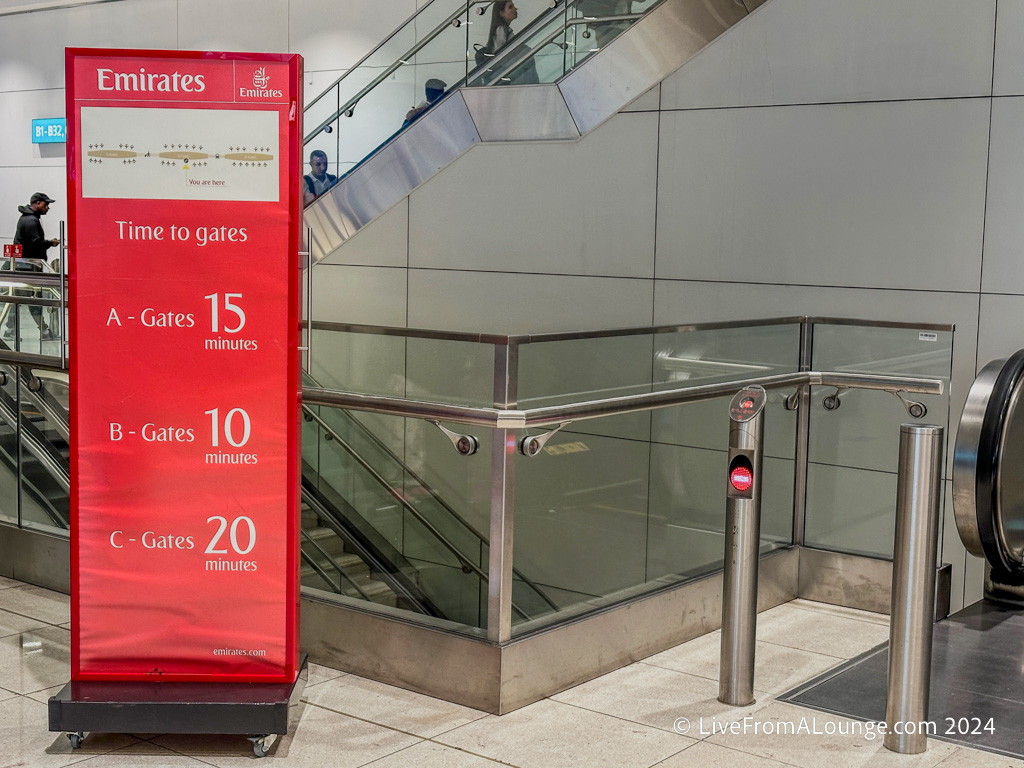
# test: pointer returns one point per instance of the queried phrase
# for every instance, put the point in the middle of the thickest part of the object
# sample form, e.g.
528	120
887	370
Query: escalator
566	55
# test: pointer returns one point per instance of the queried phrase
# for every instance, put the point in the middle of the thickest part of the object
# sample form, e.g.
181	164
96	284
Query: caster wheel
76	740
261	744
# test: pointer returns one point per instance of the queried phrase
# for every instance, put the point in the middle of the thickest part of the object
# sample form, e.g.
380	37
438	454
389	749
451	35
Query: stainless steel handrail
464	561
540	417
531	47
440	501
536	338
384	42
387	71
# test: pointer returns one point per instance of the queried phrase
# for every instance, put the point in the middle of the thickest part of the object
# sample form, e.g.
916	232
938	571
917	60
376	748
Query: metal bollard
742	544
912	614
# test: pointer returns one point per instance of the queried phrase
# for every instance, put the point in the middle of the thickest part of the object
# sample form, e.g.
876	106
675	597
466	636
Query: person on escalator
503	13
318	180
434	90
29	235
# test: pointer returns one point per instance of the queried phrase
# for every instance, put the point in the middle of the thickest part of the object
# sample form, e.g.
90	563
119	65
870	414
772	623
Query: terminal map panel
183	174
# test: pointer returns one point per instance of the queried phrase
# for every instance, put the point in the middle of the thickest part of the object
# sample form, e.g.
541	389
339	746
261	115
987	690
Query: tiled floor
627	719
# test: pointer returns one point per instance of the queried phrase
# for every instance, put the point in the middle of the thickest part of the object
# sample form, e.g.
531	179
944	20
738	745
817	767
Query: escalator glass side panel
45	500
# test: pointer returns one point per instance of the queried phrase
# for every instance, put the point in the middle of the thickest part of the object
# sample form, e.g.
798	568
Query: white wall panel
585	208
509	303
256	25
647	102
16	187
384	243
1003	268
32	54
333	35
17	111
371	295
872	195
1009	66
812	51
1001	328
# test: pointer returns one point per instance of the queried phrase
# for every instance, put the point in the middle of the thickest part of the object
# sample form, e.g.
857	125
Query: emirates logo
259	78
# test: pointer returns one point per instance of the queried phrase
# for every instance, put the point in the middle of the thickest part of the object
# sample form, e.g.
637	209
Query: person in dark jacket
29	235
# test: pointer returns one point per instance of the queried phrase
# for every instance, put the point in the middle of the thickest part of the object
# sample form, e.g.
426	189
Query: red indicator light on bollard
741	478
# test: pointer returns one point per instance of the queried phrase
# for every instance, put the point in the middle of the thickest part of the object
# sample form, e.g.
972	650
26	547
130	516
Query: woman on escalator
503	13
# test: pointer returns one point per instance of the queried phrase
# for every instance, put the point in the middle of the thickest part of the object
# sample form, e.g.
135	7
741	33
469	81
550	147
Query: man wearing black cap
30	229
33	242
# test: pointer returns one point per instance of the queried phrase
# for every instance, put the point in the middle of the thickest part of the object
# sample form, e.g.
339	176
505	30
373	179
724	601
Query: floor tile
33	661
777	668
25	740
427	754
6	583
141	756
322	738
973	758
394	707
840	610
813	739
657	697
550	734
706	755
320	674
37	603
816	631
12	623
45	694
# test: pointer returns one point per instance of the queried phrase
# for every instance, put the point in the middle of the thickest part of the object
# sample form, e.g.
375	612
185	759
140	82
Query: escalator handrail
396	581
387	71
36	443
334	563
499	57
395	493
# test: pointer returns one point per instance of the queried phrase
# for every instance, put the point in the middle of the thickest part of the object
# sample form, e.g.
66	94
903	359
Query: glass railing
448	44
851	471
625	496
436	536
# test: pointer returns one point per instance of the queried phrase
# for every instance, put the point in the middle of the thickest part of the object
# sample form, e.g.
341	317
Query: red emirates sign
12	251
183	277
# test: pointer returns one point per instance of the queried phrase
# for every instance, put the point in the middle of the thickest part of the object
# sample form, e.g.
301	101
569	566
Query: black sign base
257	710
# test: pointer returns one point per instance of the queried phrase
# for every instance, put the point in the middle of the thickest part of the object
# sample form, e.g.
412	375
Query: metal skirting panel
35	558
429	661
859	582
436	139
655	47
499	679
520	113
567	655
